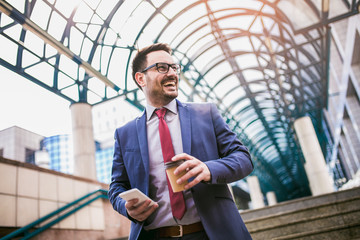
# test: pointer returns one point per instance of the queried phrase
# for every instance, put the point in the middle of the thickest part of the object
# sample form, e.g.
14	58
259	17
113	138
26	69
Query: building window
29	156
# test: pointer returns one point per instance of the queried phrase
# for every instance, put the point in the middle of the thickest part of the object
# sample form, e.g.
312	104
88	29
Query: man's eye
162	68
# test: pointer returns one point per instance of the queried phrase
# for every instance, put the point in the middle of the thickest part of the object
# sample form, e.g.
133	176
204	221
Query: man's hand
194	168
142	211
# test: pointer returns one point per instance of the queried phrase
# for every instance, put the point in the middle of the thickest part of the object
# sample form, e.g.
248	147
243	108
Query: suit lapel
185	123
143	145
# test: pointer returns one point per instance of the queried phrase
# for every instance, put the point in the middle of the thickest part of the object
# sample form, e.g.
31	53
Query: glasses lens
162	67
176	68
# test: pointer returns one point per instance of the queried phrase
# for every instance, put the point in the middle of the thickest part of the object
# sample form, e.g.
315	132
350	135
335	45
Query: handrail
24	229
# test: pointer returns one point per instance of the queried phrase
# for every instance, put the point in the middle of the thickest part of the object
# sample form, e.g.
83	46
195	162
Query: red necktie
176	199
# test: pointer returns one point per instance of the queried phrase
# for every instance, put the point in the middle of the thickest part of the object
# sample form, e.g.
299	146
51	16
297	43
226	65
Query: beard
160	93
170	87
170	96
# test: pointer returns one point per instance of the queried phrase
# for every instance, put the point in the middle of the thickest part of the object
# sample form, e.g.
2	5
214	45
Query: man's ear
140	79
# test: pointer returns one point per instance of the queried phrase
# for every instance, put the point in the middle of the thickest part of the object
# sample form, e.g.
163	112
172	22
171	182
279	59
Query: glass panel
299	13
337	7
40	14
283	57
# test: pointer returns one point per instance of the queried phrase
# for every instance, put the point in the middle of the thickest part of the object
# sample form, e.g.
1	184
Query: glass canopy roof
264	63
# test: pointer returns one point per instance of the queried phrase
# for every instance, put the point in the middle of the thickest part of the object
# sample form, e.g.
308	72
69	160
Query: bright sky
27	105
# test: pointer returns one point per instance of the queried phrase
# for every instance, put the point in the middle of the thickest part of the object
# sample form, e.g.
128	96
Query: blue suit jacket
205	136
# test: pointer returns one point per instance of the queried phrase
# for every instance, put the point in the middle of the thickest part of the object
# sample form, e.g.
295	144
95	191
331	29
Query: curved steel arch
204	75
291	80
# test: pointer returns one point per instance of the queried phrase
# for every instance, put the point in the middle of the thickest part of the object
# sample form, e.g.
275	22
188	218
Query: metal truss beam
31	26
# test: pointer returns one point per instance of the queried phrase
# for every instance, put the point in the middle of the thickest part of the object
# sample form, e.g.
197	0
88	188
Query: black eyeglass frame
175	66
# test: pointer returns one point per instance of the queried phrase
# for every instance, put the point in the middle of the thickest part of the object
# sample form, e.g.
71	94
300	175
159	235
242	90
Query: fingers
141	211
182	156
194	169
195	172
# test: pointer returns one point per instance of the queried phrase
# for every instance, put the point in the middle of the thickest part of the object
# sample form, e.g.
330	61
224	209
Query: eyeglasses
164	67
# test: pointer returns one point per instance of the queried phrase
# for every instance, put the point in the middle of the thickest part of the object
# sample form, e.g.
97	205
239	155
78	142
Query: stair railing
90	197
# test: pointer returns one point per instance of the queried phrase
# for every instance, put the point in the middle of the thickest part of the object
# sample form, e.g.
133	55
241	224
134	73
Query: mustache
166	79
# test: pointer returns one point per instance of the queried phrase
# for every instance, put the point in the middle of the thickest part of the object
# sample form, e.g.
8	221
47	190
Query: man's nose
172	71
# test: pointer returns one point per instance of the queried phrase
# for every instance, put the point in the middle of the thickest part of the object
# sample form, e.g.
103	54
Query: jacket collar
172	106
185	123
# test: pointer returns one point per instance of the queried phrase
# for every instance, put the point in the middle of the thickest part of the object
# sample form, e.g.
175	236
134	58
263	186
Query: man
212	153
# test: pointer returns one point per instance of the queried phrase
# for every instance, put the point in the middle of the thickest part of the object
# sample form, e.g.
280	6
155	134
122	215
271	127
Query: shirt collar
171	106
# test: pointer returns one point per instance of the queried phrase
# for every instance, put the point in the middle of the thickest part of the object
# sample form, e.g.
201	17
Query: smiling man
192	134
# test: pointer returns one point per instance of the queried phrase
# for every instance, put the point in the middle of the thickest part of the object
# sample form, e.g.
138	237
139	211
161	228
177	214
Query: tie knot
161	112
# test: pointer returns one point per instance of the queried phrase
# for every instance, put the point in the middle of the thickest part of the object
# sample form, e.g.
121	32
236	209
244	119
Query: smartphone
135	193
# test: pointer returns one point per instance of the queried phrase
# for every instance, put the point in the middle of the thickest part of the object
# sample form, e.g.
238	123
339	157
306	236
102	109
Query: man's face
159	88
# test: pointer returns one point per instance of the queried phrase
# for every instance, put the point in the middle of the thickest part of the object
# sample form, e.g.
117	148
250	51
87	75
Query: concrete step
344	232
323	212
320	217
321	223
300	203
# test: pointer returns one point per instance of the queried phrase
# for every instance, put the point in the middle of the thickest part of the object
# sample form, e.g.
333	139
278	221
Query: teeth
170	84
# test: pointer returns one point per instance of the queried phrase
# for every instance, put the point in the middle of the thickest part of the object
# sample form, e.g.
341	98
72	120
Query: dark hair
140	60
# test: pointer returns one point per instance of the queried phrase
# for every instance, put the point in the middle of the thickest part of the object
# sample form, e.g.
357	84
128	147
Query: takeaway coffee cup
170	168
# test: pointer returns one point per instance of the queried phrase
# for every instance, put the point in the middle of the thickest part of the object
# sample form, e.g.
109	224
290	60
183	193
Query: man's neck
159	104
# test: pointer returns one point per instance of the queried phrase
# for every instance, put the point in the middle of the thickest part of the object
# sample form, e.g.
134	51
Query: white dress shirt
158	189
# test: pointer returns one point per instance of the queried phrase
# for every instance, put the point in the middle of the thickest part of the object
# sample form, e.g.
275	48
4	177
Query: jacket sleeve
234	161
119	178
